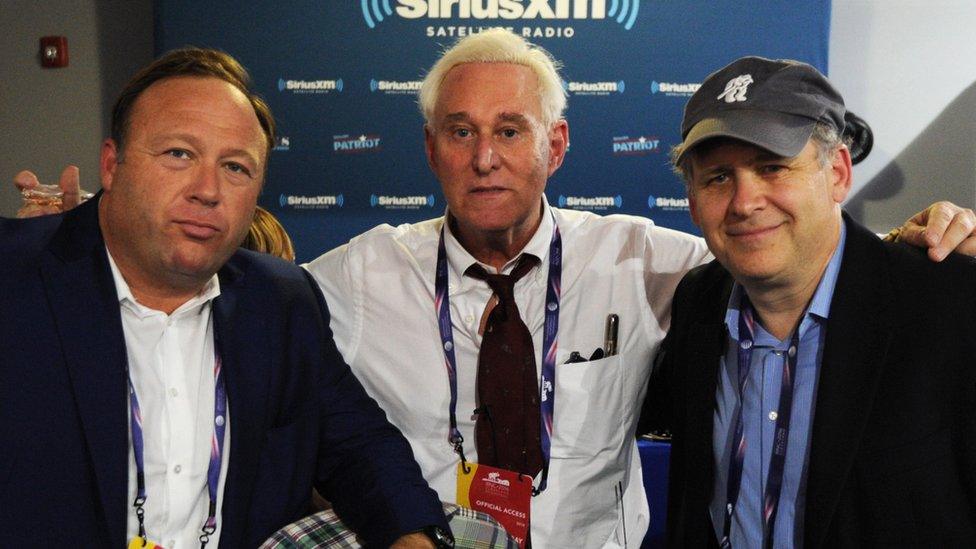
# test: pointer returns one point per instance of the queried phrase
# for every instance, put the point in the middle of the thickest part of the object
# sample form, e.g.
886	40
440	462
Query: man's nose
486	158
205	187
748	194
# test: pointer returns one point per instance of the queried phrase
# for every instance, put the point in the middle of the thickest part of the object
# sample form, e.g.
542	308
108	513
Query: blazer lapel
708	342
241	331
857	340
81	294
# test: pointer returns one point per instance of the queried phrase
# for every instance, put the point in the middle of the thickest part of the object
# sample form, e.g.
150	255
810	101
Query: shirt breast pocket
588	416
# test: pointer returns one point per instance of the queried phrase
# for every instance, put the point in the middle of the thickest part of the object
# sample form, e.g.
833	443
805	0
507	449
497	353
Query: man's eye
717	179
178	153
237	168
509	133
773	169
462	132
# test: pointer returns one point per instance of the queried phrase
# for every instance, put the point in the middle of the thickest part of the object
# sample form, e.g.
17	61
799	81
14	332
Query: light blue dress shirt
760	402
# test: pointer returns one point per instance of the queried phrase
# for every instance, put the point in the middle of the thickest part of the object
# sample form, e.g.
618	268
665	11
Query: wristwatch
442	539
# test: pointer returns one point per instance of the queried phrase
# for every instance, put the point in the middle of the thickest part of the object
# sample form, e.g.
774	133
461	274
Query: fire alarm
54	51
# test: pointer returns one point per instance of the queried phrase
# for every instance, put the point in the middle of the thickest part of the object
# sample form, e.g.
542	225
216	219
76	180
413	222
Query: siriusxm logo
667	203
346	144
634	146
305	202
282	143
594	88
590	202
310	86
401	202
674	89
624	12
395	87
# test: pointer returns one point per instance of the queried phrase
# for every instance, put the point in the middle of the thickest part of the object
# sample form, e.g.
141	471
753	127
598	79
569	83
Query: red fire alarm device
54	51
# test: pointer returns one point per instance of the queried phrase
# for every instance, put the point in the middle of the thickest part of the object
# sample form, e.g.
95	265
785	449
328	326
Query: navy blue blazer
298	415
893	448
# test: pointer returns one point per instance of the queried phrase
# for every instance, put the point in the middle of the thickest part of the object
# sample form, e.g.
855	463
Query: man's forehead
507	88
725	149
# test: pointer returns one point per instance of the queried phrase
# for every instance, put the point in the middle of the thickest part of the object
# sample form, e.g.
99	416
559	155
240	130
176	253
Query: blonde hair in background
266	234
498	46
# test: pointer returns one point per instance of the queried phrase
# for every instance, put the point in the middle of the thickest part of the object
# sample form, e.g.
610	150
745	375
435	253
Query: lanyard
216	451
547	383
774	480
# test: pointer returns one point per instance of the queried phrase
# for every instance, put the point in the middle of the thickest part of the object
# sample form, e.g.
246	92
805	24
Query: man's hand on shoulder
70	184
943	227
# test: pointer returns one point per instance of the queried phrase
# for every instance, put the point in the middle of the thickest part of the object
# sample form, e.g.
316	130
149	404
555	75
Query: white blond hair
498	45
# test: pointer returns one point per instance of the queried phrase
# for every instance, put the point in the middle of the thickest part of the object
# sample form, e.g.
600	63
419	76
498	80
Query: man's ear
692	206
108	162
429	145
841	174
558	144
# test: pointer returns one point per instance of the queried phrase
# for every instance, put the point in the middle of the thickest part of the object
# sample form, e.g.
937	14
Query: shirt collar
209	292
819	304
458	259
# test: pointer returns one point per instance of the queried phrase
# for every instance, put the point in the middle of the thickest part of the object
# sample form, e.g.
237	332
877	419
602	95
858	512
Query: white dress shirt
380	290
171	363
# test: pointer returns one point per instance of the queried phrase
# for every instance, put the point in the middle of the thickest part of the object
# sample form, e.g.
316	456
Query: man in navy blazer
819	382
181	175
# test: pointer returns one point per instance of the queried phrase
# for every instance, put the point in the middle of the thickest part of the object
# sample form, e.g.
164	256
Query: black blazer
893	449
298	415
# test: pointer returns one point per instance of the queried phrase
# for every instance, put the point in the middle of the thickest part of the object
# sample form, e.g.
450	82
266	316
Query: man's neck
780	305
495	248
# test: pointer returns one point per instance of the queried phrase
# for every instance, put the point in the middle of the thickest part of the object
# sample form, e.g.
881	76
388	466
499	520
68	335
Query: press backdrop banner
342	76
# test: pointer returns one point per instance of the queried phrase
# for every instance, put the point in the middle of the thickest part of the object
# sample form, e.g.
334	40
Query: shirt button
469	319
177	469
773	415
173	392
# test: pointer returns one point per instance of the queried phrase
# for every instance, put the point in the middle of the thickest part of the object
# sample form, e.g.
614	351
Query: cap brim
782	134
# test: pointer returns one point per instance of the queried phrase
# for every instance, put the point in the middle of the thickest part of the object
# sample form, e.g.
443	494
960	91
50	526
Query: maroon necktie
507	427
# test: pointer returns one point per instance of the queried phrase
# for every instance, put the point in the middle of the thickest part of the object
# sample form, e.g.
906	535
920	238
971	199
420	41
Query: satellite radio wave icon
626	15
340	199
651	201
282	200
655	86
621	86
373	13
618	201
339	85
373	200
281	84
430	201
562	201
373	85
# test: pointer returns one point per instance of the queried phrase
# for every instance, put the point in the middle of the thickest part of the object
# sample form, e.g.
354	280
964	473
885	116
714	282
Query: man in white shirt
160	385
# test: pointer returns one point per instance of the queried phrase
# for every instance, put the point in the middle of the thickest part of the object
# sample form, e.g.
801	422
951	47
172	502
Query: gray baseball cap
772	104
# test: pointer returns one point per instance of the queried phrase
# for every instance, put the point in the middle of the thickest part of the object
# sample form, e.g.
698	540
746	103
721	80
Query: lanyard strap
547	383
774	480
216	452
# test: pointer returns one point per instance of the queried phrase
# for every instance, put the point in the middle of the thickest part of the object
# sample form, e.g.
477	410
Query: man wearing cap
815	398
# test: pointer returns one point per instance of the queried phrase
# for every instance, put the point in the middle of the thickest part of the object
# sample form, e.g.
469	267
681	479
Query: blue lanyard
547	383
216	451
774	480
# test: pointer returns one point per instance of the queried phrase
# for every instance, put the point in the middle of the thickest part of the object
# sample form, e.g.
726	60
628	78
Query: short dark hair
189	61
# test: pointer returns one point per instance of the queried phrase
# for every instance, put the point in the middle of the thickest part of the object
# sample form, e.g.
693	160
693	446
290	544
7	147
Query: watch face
440	538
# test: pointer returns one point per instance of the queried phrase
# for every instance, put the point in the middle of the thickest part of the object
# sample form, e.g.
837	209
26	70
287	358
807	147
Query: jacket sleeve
365	466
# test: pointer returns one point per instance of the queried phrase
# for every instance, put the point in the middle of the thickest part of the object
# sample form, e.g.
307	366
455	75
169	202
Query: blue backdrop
341	77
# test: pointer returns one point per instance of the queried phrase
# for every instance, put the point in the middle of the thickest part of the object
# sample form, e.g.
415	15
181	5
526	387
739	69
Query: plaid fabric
471	529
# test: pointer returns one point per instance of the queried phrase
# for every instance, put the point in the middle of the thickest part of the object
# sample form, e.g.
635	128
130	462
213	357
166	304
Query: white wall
908	67
52	117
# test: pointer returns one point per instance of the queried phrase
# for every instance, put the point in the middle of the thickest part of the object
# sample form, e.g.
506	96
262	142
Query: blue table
655	457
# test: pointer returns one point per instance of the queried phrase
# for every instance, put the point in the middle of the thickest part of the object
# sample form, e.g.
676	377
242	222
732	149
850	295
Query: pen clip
610	335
